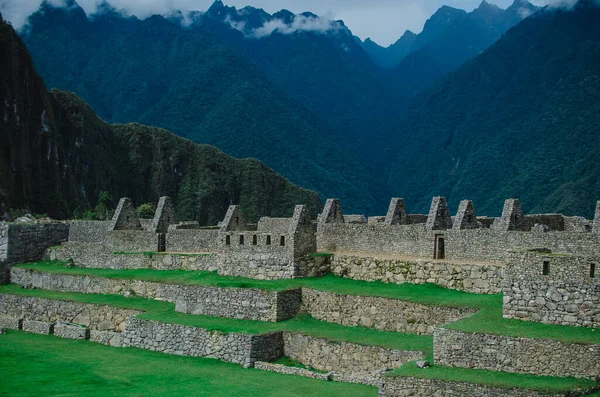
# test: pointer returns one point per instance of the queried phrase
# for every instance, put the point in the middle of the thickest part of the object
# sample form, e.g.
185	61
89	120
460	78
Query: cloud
300	23
382	20
524	12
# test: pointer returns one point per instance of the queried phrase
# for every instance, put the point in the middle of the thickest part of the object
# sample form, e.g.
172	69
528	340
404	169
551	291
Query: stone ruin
546	266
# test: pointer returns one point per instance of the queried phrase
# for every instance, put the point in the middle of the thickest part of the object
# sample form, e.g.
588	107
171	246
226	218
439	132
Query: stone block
109	338
10	323
71	331
38	327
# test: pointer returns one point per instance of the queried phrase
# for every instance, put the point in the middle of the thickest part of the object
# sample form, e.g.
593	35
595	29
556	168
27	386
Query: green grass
36	365
496	379
426	294
165	312
489	320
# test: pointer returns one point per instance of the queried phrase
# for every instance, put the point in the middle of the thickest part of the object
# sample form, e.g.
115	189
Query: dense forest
483	105
156	73
58	156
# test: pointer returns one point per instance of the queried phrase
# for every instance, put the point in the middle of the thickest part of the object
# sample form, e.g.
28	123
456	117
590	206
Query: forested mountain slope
158	73
57	155
521	120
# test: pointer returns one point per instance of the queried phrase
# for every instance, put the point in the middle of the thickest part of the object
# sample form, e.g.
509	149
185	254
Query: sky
384	21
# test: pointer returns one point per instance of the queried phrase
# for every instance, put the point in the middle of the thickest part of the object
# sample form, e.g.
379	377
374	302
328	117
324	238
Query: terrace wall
198	342
396	386
240	303
351	362
384	314
95	317
521	355
479	279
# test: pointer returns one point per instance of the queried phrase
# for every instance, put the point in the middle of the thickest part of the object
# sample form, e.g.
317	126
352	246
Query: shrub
146	211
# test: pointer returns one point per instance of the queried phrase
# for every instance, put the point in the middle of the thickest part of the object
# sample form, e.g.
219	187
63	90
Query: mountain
316	61
57	155
391	56
520	120
160	73
450	38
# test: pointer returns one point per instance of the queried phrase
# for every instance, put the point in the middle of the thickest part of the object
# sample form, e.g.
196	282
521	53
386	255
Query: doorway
439	247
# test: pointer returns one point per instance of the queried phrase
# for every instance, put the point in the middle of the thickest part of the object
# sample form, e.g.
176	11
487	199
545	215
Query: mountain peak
408	34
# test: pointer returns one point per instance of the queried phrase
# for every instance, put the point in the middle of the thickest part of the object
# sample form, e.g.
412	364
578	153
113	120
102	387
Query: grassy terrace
487	320
165	312
36	365
496	379
428	294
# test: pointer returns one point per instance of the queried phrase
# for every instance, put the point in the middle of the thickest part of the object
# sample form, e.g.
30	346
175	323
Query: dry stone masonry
380	313
546	266
476	278
351	362
413	387
521	355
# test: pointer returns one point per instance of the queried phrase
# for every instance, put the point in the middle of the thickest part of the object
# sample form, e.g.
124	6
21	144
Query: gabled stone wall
553	289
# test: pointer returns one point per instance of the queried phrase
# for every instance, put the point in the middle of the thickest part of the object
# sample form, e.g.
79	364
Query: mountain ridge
58	156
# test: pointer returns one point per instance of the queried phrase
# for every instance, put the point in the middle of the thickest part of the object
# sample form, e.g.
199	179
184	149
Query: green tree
103	210
146	211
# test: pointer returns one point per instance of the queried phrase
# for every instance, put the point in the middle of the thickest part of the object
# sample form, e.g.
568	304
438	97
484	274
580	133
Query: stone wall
396	386
240	303
494	245
198	342
411	240
251	265
569	294
96	317
283	369
133	241
3	241
261	266
479	279
351	362
479	245
246	304
198	240
27	242
98	256
521	355
380	313
89	231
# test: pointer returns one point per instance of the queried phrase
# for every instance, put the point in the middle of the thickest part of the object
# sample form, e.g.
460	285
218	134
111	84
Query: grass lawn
165	312
427	294
37	365
487	320
497	379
